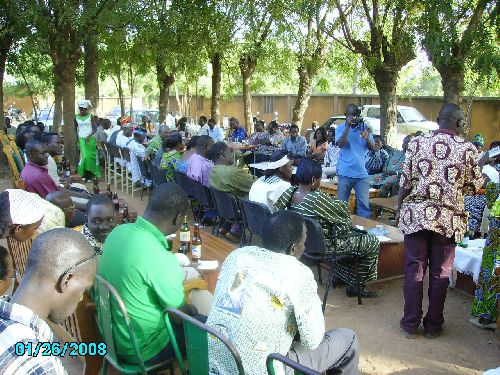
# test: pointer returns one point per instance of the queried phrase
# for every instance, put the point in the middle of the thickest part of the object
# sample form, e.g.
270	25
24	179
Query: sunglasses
77	265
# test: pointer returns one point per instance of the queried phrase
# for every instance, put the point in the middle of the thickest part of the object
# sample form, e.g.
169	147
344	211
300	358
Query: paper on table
208	264
383	238
360	227
325	180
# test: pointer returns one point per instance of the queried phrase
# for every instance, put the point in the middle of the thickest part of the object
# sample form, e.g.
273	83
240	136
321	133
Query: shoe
410	336
351	291
231	237
477	323
433	335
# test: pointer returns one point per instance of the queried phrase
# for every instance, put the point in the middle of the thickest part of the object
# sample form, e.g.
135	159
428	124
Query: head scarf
24	207
83	103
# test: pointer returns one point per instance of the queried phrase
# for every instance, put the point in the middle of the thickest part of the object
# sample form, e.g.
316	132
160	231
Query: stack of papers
383	238
208	264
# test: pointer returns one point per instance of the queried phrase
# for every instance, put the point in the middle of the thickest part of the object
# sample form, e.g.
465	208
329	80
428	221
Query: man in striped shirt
60	266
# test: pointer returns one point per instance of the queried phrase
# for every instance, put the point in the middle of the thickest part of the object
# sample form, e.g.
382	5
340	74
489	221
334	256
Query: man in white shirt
203	126
54	148
331	156
123	138
137	150
265	297
214	131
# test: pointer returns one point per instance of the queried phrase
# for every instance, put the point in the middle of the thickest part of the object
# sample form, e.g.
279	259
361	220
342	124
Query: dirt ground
461	349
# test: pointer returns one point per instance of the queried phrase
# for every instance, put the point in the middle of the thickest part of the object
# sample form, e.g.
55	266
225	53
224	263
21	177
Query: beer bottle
125	219
116	202
196	242
67	170
96	186
108	192
184	237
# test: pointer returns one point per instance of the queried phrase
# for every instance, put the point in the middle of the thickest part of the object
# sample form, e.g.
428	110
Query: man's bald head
55	251
60	267
451	117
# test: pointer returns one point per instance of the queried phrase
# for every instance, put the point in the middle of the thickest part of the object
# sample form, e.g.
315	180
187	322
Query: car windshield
412	115
373	112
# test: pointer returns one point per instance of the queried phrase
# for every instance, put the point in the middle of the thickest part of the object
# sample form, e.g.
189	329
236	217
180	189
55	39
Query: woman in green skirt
487	295
88	167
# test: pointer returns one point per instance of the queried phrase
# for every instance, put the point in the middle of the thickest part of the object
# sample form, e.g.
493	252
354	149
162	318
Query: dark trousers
424	248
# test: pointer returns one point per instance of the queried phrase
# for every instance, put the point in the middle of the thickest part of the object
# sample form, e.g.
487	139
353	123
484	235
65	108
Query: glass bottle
125	219
184	237
196	242
108	192
96	186
116	202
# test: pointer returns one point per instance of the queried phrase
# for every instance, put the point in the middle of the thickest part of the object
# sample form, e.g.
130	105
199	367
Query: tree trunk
303	96
68	92
120	92
247	67
131	85
58	98
3	61
386	82
164	82
216	85
91	70
452	79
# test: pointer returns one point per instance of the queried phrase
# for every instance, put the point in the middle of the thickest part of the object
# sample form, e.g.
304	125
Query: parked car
409	120
116	113
151	113
333	121
46	115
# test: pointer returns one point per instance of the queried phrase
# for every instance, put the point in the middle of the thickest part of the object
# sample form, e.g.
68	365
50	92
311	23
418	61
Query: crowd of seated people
264	294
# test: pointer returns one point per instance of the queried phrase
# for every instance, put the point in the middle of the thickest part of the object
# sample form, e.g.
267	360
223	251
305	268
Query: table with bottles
212	248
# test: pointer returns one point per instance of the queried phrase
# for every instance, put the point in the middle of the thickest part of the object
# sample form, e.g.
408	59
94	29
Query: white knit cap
24	207
83	103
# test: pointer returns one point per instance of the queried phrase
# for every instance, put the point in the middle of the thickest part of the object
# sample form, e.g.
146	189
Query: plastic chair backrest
14	168
226	205
157	174
142	167
184	182
4	139
16	151
255	215
297	367
19	252
315	241
196	335
202	194
107	299
113	150
125	153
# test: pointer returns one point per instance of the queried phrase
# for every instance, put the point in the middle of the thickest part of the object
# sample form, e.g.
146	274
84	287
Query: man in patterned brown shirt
439	169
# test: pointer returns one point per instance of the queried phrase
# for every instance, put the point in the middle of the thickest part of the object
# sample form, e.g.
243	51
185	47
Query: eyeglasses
78	264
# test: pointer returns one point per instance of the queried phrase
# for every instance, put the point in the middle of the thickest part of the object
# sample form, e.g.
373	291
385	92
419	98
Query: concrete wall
484	116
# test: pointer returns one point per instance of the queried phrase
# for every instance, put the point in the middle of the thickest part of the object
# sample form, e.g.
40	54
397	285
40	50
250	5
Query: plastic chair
316	251
128	172
117	170
254	217
14	165
297	367
108	299
196	336
144	173
186	184
228	210
17	152
204	197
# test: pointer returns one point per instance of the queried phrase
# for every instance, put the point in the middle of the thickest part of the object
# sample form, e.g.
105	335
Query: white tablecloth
468	260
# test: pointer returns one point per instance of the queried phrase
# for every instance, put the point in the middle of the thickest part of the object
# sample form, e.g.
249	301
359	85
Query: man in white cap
278	172
88	167
20	214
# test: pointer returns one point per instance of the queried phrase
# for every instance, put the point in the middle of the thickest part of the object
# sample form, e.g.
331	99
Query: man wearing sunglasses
60	266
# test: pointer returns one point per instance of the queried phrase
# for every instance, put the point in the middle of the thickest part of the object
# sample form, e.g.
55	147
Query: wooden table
331	188
391	257
212	248
386	204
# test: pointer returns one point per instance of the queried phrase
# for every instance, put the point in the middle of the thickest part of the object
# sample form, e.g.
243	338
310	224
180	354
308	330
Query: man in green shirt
225	176
138	262
157	141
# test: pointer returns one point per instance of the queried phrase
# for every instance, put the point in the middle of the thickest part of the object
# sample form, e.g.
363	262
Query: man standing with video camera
354	138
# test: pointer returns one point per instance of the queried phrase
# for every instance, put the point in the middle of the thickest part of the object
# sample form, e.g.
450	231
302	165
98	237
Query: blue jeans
361	188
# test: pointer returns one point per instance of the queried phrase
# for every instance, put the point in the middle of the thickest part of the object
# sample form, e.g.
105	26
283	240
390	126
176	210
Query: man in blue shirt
215	132
295	145
238	133
354	139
